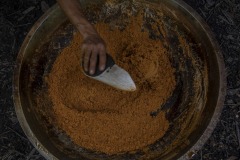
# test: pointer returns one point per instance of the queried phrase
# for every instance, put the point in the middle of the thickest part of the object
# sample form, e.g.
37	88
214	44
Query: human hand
93	47
93	53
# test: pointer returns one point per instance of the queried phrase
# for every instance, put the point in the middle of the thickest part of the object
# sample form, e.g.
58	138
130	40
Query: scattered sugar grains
101	118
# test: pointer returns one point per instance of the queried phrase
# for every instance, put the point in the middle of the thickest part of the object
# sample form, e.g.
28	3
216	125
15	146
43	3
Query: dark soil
223	17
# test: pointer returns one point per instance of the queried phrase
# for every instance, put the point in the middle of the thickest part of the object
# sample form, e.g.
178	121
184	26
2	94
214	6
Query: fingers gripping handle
109	63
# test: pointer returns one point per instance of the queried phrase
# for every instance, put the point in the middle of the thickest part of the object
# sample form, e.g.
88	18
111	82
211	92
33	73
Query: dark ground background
223	17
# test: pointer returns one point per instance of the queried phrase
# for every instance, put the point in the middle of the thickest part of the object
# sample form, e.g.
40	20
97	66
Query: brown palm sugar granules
101	118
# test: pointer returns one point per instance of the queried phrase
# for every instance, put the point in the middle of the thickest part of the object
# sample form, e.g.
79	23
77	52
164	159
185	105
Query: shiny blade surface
117	77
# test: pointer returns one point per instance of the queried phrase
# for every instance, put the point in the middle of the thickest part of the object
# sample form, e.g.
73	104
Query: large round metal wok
193	109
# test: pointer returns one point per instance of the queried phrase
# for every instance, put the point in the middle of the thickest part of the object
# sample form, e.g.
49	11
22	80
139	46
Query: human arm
93	45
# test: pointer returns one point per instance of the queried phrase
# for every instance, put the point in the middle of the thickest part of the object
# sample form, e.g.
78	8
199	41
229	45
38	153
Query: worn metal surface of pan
193	109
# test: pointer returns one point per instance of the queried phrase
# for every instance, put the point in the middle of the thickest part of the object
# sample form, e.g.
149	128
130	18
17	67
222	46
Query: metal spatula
114	76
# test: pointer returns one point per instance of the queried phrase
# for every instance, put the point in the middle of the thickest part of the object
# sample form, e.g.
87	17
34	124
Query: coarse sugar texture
101	118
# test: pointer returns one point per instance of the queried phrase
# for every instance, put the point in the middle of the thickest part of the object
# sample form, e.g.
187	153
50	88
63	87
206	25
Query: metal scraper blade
114	76
117	77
